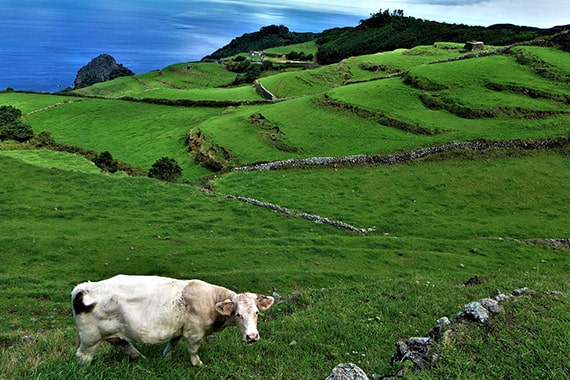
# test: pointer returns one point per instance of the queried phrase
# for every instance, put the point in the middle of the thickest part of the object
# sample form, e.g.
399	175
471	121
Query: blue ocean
45	42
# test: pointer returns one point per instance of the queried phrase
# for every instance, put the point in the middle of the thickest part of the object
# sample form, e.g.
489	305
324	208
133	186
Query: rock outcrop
100	69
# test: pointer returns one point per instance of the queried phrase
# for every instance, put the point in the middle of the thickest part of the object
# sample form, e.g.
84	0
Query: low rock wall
391	159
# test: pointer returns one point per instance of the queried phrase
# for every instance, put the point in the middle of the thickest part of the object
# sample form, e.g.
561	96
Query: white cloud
546	13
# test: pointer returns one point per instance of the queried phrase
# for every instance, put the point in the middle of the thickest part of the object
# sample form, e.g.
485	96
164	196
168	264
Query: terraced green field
428	225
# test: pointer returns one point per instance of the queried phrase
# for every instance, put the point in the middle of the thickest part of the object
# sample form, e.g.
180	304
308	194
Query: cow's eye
238	315
257	312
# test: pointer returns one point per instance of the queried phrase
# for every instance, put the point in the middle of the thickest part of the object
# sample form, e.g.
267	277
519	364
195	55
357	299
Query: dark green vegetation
493	210
12	127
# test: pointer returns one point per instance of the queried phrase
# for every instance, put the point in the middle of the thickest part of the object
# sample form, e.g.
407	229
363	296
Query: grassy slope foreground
434	223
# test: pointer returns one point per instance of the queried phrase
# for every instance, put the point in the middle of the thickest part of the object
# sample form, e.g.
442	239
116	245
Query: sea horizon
46	43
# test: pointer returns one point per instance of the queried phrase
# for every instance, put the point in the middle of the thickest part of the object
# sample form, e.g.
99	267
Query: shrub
11	127
9	115
165	169
44	139
106	163
22	131
17	130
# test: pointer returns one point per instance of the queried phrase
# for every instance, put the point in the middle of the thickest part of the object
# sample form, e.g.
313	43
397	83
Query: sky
543	13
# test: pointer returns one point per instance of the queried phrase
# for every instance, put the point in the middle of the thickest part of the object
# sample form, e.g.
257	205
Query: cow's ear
264	302
225	307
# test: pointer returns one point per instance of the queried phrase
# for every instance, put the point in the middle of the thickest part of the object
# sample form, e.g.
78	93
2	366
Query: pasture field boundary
314	218
480	145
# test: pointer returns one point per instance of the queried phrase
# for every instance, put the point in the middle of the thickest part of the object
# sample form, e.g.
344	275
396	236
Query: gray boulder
474	311
347	371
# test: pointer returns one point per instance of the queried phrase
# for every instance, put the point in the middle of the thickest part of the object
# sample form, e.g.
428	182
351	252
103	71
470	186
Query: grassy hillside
192	81
385	31
432	223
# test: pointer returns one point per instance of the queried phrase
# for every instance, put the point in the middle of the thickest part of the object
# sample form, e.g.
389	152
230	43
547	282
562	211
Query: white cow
152	309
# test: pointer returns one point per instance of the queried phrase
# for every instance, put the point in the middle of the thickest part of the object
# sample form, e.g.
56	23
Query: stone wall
391	159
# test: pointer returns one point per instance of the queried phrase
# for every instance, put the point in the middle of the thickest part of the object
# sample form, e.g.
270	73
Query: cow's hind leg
126	346
171	344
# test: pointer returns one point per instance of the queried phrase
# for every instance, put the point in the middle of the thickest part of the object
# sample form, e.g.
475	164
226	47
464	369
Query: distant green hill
267	37
386	31
383	31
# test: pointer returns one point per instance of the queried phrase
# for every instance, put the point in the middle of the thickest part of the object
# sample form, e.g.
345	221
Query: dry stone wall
391	159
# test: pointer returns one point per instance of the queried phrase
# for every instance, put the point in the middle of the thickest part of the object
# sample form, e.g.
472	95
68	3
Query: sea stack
100	69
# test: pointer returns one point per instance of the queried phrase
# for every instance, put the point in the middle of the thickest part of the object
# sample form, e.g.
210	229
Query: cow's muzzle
251	337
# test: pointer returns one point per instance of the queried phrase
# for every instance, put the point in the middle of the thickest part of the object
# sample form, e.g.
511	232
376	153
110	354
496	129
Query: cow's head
244	308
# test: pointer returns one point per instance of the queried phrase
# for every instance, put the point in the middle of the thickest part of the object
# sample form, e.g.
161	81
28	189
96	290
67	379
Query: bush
18	131
9	115
11	127
106	163
44	139
165	169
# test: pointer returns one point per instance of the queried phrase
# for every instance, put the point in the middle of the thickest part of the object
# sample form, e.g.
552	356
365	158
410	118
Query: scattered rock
501	297
491	305
420	351
347	371
520	292
416	350
475	280
437	330
474	311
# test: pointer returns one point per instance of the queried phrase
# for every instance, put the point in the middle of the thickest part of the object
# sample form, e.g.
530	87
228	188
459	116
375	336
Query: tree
16	130
9	115
165	169
106	163
22	131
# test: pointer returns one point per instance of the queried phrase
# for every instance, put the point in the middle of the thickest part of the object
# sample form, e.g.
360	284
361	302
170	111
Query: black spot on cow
79	306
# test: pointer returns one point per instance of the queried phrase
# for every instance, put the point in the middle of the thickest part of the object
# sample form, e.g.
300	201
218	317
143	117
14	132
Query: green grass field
344	296
307	48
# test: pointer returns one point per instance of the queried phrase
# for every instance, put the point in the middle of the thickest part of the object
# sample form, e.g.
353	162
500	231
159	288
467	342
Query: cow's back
148	309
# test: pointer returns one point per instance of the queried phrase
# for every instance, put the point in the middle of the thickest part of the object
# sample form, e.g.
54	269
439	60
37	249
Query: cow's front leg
167	353
87	348
193	346
85	354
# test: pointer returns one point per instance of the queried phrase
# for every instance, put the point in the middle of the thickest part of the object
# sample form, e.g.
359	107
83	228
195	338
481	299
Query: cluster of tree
247	70
12	127
299	56
164	169
386	31
267	37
